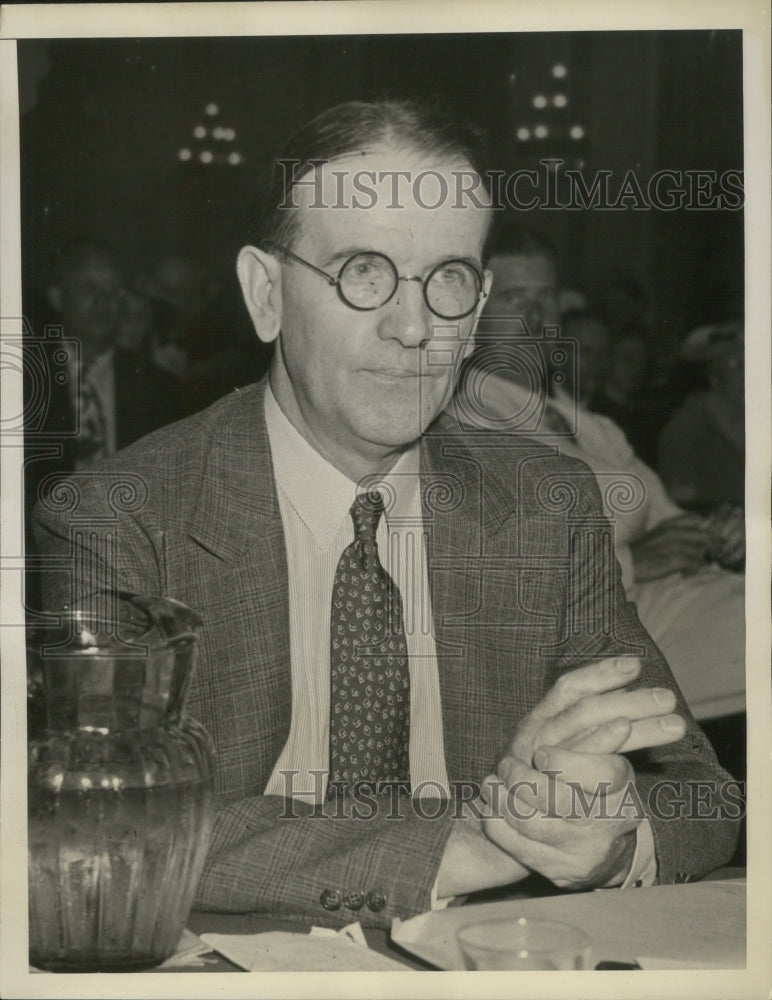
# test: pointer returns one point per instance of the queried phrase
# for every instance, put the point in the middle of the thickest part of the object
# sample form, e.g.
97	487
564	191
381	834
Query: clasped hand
560	802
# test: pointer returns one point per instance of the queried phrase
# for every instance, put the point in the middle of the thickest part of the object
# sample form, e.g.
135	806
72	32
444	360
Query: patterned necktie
369	675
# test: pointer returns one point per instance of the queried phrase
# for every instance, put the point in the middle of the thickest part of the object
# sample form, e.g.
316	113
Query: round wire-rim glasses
388	280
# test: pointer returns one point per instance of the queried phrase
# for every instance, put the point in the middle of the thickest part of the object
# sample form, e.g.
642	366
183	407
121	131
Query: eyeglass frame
335	282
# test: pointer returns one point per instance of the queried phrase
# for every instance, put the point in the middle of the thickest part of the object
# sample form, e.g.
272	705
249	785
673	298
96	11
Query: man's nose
406	316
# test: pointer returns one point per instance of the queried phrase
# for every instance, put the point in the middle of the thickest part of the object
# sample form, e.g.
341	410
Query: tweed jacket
523	585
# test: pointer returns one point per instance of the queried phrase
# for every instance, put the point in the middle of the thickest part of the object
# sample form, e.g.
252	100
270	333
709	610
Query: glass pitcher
120	784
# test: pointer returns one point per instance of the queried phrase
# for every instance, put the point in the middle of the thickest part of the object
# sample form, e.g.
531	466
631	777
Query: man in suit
506	685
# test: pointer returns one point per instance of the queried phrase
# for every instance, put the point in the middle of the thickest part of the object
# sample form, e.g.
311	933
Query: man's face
524	287
90	298
362	385
593	353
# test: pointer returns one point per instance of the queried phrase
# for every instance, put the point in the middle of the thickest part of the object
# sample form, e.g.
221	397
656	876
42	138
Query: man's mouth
399	373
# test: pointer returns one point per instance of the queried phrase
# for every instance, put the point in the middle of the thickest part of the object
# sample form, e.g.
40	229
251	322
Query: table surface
380	940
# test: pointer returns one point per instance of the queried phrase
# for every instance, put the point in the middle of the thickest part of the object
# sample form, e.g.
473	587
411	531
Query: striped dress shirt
315	499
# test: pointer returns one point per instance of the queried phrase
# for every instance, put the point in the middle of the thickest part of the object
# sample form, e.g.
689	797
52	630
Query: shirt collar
320	494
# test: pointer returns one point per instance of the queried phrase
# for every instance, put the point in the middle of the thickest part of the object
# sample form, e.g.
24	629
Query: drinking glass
523	944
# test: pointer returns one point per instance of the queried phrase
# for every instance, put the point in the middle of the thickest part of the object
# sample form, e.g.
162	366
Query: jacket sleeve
371	858
692	803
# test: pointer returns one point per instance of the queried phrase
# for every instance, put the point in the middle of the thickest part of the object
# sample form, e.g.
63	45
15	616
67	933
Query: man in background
119	395
106	392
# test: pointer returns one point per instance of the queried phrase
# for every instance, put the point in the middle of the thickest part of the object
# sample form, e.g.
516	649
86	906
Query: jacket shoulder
171	468
185	440
517	472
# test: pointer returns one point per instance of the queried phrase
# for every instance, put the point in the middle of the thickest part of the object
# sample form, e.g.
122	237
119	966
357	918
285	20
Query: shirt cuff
642	873
643	867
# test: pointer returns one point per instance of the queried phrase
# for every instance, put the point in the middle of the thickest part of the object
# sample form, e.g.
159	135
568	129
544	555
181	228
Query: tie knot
366	511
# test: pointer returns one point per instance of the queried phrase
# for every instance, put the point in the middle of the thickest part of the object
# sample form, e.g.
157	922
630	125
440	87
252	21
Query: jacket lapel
237	502
236	561
463	511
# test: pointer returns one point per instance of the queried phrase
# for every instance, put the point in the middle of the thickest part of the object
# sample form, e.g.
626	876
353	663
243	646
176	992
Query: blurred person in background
87	294
671	559
180	284
640	391
145	395
118	394
702	447
108	393
625	394
65	426
591	374
191	344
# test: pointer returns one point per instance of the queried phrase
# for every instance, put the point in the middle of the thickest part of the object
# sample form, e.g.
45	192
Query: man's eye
456	276
365	269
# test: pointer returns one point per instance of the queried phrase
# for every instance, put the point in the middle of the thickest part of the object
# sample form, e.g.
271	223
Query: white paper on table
698	924
322	950
189	949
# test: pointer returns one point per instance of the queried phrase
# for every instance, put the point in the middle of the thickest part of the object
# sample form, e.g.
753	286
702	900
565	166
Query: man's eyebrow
342	255
474	261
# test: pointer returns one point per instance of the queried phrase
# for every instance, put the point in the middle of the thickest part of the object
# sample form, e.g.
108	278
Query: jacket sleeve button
330	899
354	900
376	900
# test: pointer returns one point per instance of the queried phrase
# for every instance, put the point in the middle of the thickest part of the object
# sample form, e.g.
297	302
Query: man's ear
487	285
260	278
54	296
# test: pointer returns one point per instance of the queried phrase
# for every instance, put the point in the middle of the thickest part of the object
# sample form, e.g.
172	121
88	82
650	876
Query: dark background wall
104	120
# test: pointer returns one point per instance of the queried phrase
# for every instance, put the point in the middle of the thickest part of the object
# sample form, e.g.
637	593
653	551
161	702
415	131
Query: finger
598	710
689	546
571	787
566	850
605	774
670	535
623	736
685	521
609	738
654	733
596	678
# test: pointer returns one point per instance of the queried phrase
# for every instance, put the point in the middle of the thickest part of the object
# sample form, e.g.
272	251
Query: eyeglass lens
368	280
